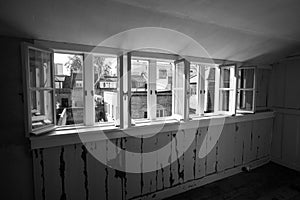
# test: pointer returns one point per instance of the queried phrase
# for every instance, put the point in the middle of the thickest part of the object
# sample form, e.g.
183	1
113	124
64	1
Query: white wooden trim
186	90
95	133
151	90
88	85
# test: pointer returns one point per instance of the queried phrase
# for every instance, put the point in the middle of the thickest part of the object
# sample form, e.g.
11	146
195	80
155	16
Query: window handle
150	92
155	92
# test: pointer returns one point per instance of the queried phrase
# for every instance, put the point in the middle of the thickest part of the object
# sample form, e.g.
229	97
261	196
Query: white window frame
231	89
27	90
253	90
124	120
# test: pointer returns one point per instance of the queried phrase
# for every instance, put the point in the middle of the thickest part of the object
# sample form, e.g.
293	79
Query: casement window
212	89
227	89
39	92
246	90
65	89
157	89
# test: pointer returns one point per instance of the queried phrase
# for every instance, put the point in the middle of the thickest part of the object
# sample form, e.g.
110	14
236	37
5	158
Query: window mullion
89	108
202	88
151	90
186	91
217	89
126	91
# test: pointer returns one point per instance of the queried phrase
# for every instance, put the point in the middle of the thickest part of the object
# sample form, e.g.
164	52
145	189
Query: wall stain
142	178
36	153
236	127
162	177
195	154
85	173
180	173
217	152
62	169
43	173
243	152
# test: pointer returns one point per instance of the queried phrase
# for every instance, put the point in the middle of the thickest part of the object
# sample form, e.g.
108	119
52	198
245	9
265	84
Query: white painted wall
285	98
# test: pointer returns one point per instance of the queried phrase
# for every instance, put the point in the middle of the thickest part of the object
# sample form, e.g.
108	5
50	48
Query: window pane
41	108
139	79
246	78
40	69
193	88
225	77
224	100
210	76
164	89
69	88
178	88
245	100
106	88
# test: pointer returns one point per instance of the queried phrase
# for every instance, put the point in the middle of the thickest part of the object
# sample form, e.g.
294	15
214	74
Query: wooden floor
270	182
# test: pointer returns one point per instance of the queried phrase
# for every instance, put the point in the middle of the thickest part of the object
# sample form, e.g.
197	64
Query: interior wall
16	166
72	172
285	99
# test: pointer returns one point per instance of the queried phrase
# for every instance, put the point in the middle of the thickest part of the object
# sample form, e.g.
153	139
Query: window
69	88
246	90
139	81
106	90
105	74
227	90
39	89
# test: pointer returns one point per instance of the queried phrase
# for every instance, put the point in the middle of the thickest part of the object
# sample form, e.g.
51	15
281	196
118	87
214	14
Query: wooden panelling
285	100
75	172
96	170
53	172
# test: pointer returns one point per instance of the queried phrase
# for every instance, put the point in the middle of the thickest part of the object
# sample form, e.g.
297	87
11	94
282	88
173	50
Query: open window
226	89
180	88
246	90
39	89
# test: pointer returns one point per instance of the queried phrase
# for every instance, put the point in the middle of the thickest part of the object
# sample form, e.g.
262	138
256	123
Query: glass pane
69	88
225	78
139	77
210	78
40	69
41	108
224	100
193	88
245	100
178	88
106	88
246	78
164	89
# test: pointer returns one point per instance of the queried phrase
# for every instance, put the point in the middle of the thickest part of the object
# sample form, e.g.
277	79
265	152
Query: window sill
96	133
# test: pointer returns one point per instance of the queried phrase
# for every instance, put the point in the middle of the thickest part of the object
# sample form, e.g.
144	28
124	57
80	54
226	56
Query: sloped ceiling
257	31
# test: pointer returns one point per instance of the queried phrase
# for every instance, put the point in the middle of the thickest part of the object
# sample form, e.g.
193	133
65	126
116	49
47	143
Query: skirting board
286	164
184	187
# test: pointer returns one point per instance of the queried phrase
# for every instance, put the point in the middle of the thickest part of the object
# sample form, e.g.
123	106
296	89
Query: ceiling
257	31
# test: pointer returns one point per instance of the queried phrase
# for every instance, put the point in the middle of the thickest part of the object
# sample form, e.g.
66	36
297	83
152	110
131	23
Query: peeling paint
43	173
236	127
62	169
142	178
36	153
217	152
243	152
83	157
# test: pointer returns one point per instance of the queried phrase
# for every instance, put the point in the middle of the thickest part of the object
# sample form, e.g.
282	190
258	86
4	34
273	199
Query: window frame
124	88
253	89
25	47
